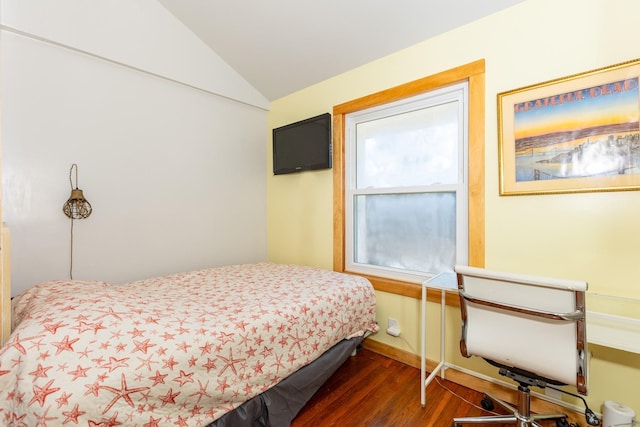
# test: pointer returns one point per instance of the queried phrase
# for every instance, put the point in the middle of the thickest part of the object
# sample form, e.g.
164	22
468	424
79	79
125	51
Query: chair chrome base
520	416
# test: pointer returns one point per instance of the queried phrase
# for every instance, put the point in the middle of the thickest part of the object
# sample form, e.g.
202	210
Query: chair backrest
532	323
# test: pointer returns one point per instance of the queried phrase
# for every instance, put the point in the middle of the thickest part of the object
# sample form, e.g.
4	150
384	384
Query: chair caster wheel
562	422
487	403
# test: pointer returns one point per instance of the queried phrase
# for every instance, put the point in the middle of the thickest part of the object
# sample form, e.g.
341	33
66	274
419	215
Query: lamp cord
70	172
71	257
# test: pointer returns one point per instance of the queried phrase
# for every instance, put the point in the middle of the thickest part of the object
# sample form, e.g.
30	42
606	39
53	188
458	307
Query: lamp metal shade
77	207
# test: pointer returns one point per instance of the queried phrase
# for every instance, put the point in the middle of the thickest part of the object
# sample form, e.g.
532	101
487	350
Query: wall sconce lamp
76	207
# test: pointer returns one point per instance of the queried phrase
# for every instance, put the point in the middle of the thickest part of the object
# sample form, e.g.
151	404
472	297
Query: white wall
140	33
174	172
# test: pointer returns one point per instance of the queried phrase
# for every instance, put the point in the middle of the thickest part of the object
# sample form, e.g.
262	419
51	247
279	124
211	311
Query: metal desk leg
423	354
424	382
443	306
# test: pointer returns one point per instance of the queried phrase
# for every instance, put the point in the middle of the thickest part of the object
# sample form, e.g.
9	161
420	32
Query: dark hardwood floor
374	391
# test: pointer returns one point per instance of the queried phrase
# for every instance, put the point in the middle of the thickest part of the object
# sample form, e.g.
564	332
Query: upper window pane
414	148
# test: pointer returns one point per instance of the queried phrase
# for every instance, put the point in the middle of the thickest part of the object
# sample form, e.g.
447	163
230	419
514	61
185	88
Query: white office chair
532	328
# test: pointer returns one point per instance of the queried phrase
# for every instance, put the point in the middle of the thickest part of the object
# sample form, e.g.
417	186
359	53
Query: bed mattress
176	350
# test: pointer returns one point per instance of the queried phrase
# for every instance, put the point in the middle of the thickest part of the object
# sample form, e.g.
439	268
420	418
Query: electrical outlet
393	329
393	323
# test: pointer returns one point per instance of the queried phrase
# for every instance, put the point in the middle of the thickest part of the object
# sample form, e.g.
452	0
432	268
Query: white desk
445	282
622	333
613	321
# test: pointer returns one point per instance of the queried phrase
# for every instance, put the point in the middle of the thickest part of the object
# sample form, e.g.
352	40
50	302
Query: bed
236	345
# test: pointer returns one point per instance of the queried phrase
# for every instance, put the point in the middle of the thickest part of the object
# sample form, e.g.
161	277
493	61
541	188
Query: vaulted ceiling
281	46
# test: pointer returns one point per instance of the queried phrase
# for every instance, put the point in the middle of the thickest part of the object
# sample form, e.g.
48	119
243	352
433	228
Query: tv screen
303	145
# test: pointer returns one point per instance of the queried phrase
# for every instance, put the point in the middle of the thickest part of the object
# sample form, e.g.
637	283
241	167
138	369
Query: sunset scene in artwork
588	132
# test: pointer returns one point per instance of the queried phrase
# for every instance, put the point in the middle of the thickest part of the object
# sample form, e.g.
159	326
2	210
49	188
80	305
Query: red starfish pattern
211	364
225	338
79	372
242	324
80	317
152	422
223	385
206	349
17	420
36	344
257	368
230	362
170	397
158	378
42	419
98	360
167	336
142	346
195	410
63	400
65	344
72	416
116	363
152	320
202	392
170	363
40	393
278	364
106	422
146	362
184	378
184	346
123	392
181	422
17	342
83	327
97	327
92	389
40	372
54	327
136	333
248	390
296	341
110	312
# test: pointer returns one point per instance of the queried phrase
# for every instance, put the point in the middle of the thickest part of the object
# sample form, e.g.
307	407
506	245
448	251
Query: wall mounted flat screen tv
303	145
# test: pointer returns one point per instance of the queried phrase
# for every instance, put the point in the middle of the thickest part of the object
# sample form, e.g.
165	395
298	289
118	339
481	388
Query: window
369	193
406	186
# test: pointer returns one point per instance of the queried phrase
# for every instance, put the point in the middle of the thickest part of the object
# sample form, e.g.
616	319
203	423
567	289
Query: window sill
409	289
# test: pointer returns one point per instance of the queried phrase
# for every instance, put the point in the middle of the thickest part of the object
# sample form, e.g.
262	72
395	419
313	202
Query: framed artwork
574	134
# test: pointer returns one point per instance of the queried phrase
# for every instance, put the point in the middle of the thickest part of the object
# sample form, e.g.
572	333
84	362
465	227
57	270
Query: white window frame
458	92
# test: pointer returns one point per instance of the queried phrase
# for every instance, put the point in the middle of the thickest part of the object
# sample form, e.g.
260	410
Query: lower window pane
406	231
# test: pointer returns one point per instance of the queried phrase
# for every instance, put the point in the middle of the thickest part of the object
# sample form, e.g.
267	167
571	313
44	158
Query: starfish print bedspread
177	350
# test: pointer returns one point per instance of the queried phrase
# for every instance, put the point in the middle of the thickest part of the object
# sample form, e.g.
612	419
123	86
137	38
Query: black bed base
278	406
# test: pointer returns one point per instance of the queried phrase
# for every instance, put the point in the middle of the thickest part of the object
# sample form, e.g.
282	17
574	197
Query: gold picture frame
579	133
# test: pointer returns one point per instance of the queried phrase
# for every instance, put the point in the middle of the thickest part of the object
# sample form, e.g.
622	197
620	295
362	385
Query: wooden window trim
473	73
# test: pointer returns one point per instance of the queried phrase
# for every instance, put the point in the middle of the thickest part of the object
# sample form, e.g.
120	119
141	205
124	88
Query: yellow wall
593	236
